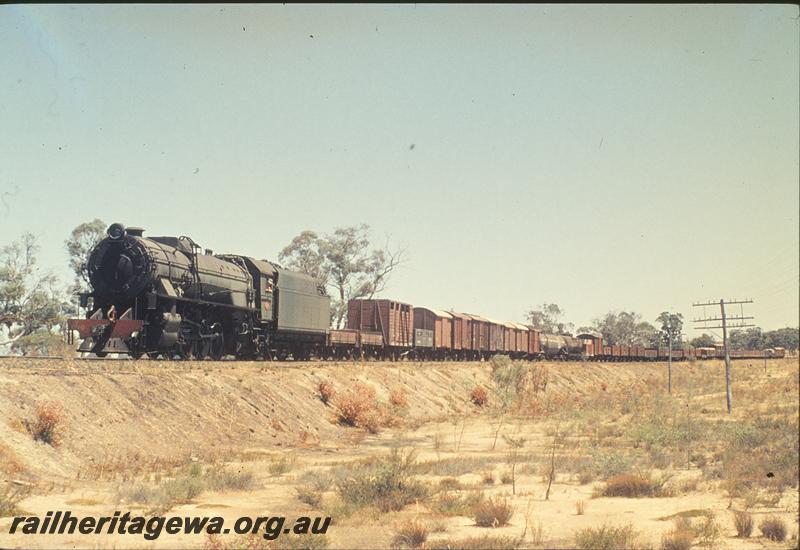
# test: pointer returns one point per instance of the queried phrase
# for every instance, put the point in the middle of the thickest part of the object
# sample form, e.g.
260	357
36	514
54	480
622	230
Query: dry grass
479	396
607	537
326	391
50	423
485	542
580	507
677	539
386	484
773	528
629	485
411	534
743	521
10	464
492	512
398	398
187	484
11	495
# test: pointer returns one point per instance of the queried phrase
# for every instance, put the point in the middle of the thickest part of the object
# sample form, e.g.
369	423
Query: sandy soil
120	414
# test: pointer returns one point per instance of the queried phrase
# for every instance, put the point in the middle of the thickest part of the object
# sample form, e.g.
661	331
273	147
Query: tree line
629	328
34	304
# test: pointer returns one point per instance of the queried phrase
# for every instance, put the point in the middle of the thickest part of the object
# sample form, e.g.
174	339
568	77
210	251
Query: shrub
352	407
449	483
479	396
708	532
326	391
282	465
743	522
677	539
398	398
310	496
10	497
387	484
773	528
49	424
506	478
451	504
580	507
493	512
487	477
607	537
411	534
485	542
628	485
227	479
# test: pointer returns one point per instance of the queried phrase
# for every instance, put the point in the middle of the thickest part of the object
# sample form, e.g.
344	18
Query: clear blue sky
600	157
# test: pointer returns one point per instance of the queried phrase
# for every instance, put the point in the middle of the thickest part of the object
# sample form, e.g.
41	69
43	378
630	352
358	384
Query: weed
677	539
485	542
487	477
326	391
411	534
708	532
607	537
227	479
398	398
310	496
580	507
357	406
773	528
493	512
449	483
451	504
479	396
10	496
49	425
743	521
387	484
9	462
628	485
282	465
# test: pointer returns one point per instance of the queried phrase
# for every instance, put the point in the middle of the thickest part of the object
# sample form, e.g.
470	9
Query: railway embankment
111	411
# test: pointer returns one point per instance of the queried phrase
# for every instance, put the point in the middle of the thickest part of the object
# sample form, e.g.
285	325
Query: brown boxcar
480	332
440	322
495	335
509	338
596	340
394	320
534	344
462	331
521	336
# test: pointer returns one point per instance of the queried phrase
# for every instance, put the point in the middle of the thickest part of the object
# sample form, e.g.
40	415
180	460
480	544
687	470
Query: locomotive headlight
116	231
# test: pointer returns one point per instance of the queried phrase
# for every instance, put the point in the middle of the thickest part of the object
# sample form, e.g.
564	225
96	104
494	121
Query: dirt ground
128	426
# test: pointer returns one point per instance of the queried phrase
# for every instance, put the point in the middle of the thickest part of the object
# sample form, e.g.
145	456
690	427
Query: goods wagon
480	333
462	331
440	322
393	320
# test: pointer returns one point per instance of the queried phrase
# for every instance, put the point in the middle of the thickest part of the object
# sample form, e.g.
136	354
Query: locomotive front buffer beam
104	335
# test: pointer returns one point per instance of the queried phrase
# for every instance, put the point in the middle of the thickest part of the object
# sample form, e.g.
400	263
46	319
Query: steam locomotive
163	296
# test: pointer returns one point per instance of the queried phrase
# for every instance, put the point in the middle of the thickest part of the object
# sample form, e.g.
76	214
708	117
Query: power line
740	321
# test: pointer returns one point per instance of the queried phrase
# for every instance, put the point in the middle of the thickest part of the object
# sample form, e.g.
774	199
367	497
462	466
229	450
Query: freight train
166	297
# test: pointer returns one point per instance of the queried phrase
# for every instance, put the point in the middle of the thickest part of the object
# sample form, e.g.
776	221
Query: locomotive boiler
165	296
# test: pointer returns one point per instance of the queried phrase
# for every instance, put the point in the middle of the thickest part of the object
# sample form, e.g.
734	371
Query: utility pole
740	323
669	364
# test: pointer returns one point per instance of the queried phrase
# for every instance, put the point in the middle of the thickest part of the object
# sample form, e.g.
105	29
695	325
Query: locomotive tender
162	296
